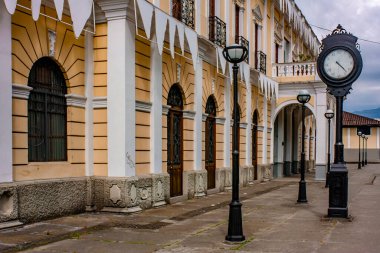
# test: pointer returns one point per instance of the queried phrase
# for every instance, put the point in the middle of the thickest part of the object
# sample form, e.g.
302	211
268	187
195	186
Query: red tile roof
350	119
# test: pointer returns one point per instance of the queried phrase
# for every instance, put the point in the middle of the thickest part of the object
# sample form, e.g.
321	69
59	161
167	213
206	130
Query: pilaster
120	90
89	85
227	123
265	131
156	111
6	169
322	126
198	116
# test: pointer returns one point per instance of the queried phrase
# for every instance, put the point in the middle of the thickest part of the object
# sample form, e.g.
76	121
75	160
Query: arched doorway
47	112
210	142
255	123
175	140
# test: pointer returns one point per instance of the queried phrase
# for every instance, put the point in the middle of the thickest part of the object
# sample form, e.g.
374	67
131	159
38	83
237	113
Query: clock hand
341	66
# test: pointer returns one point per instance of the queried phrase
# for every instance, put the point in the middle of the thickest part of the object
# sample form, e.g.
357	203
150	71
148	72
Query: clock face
338	64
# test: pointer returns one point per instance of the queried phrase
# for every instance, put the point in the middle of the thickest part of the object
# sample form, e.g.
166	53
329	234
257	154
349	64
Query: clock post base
338	191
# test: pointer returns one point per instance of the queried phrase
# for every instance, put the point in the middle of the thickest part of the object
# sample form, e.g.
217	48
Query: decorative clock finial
339	30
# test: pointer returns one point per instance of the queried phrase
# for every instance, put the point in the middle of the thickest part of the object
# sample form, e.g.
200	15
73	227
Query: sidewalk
273	222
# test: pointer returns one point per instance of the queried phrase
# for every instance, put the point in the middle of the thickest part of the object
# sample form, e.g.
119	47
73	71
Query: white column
198	16
272	45
156	112
321	134
198	117
121	95
265	131
241	21
89	134
227	123
248	141
227	15
273	108
6	169
289	135
265	27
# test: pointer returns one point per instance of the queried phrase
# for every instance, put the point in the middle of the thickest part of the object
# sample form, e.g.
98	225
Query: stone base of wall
32	201
295	167
287	169
278	169
42	199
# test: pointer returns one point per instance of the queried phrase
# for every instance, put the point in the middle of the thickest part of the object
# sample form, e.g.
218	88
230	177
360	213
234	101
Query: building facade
352	124
136	110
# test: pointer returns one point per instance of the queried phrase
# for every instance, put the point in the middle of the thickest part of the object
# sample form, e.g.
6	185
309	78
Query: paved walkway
273	222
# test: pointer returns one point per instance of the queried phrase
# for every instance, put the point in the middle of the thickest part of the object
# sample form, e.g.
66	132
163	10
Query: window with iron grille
47	112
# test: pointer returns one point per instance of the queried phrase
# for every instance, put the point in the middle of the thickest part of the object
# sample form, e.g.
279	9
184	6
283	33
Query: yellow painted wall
354	139
30	43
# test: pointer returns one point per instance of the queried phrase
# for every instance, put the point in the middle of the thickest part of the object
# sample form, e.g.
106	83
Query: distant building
352	123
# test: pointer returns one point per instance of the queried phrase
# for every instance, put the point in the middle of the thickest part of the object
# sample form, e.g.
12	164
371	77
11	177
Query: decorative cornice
114	9
220	121
165	109
188	114
257	13
75	100
142	106
204	116
21	91
99	103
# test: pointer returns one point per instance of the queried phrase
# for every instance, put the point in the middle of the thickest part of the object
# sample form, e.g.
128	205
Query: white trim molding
188	114
99	103
21	91
75	100
142	106
165	109
204	116
220	121
260	128
244	125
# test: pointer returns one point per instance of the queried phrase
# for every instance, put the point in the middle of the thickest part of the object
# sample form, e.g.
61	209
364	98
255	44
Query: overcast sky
362	19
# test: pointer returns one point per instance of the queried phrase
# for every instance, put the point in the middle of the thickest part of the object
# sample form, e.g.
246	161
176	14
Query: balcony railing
183	10
261	62
244	42
217	31
297	69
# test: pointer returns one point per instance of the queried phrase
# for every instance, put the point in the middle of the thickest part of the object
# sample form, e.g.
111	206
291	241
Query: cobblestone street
273	222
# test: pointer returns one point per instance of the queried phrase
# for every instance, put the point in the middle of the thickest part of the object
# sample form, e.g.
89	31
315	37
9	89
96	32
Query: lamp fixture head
303	96
359	133
329	114
363	136
235	53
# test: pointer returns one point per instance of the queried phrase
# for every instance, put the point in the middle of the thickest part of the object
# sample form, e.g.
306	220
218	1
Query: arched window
47	112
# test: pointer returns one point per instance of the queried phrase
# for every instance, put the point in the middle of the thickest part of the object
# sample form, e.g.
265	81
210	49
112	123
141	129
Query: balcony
261	62
244	42
183	10
217	31
297	71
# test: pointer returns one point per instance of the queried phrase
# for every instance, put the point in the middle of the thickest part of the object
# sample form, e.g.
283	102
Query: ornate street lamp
329	114
363	137
359	162
303	97
235	54
366	150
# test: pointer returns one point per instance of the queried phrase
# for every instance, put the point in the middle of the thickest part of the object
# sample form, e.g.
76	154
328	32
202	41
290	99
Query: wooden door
212	8
175	151
254	145
210	142
237	10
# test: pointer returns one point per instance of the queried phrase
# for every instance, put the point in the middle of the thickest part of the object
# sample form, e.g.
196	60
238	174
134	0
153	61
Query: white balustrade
296	69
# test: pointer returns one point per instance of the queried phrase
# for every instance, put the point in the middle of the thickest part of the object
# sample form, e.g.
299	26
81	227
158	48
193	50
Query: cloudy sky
361	18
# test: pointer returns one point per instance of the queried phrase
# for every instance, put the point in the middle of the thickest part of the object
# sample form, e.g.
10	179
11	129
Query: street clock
339	63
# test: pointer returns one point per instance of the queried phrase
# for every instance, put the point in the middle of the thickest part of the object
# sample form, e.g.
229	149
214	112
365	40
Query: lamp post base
338	191
327	180
302	192
235	227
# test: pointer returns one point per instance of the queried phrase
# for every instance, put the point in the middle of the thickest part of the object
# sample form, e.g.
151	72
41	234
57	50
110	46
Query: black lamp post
329	114
363	138
235	54
366	150
303	97
359	162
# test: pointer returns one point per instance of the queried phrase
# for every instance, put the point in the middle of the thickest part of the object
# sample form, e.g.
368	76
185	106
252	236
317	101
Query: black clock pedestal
338	191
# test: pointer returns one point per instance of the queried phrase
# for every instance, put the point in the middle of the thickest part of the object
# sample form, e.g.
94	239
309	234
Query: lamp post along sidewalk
363	139
235	54
359	161
329	115
303	97
366	150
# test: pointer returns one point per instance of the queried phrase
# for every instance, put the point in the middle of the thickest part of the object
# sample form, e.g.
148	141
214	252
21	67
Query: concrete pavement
273	222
